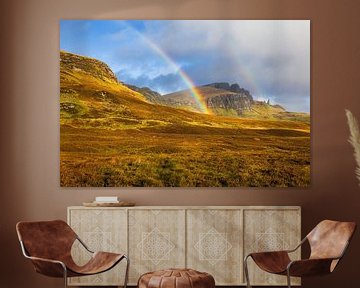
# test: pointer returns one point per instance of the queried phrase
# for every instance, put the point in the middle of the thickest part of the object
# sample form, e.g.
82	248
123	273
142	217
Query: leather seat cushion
176	278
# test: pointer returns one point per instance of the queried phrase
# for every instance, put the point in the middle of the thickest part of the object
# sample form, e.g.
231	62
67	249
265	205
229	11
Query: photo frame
185	103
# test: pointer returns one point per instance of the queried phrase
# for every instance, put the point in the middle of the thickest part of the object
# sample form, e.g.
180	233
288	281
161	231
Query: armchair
328	243
48	245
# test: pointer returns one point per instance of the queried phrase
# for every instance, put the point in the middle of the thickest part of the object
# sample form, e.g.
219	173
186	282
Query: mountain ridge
220	98
225	99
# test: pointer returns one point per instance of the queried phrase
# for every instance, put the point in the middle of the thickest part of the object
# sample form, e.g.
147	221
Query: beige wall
29	112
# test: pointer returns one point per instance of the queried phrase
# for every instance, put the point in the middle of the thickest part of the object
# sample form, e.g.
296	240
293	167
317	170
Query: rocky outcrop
232	88
233	101
239	99
219	85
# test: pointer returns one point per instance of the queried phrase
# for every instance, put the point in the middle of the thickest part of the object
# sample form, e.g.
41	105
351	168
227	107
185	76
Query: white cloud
271	58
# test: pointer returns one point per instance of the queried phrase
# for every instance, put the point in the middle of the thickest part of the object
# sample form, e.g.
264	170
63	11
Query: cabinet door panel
156	239
100	230
214	244
270	230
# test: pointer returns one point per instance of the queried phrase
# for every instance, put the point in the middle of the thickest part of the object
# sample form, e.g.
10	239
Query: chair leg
246	270
288	278
127	271
65	276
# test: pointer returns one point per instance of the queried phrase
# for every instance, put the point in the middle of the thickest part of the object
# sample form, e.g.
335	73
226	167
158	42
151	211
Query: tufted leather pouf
176	278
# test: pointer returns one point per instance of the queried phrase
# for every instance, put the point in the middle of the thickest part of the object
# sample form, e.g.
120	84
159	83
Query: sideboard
212	239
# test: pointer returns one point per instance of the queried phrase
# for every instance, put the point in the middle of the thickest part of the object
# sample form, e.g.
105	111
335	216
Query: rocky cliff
235	88
238	99
237	102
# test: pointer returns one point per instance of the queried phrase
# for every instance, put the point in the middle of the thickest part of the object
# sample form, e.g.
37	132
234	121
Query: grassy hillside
274	112
111	136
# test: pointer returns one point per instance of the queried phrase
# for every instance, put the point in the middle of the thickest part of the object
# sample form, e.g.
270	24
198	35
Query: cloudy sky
270	58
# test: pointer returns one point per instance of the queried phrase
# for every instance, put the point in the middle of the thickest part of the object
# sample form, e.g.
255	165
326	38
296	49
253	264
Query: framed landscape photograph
185	103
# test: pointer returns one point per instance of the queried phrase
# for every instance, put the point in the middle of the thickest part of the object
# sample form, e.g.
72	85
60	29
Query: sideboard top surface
193	207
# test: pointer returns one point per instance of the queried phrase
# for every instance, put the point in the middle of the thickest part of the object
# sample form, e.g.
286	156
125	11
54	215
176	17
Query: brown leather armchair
328	242
48	245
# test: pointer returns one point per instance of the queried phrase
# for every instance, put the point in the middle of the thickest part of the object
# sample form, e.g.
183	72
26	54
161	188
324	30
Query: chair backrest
329	239
46	239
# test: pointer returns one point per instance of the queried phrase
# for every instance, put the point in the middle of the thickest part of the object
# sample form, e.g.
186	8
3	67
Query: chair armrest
309	267
280	251
298	246
48	267
45	260
84	245
269	252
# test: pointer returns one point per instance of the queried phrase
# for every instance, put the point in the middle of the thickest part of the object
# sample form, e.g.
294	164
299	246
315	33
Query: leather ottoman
176	278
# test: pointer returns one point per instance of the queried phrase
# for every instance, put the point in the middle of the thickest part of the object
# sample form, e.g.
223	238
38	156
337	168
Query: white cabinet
211	239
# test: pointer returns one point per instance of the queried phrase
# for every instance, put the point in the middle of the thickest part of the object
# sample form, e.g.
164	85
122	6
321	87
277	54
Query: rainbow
199	99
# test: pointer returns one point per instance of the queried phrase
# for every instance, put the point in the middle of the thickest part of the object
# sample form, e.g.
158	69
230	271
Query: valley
112	134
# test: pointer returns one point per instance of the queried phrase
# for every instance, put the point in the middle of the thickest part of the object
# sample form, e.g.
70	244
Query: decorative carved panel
270	230
156	240
101	230
214	241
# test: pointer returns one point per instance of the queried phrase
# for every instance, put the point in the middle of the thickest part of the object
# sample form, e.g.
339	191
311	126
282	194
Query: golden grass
110	136
132	157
